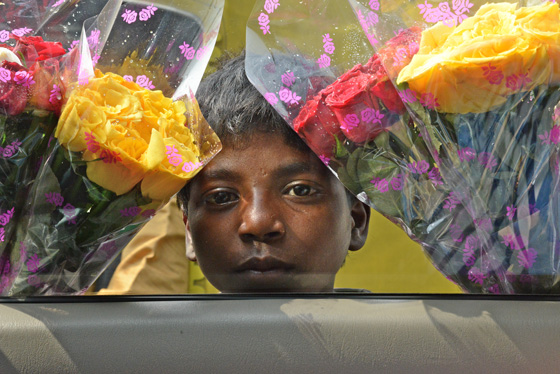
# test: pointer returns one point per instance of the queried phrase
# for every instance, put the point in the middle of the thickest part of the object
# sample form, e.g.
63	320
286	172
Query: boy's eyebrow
221	174
293	168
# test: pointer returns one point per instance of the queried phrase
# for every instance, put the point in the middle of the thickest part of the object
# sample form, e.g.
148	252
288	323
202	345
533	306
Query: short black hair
236	110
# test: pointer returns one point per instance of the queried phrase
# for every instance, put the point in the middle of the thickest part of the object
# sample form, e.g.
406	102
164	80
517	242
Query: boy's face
269	217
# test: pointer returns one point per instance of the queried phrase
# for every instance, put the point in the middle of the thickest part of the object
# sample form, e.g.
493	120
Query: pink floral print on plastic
58	3
191	166
366	26
93	38
173	155
328	44
73	44
476	275
129	16
24	78
21	31
34	281
372	19
397	183
374	5
110	157
147	13
148	213
132	211
5	75
492	75
70	213
264	20
429	100
33	263
288	96
551	137
452	201
350	122
408	96
187	51
271	98
517	82
370	115
495	289
92	144
435	176
7	216
144	81
487	160
419	167
469	258
2	234
54	198
201	52
4	36
10	150
324	61
271	5
466	154
513	242
325	159
128	78
55	95
527	258
511	212
288	79
443	12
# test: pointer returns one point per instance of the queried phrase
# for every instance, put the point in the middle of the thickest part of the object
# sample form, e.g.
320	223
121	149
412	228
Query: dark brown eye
301	190
221	198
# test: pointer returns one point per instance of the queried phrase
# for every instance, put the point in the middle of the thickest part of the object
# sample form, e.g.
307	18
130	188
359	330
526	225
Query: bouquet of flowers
128	137
470	167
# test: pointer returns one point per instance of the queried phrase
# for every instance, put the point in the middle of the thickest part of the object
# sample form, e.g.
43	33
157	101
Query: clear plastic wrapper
129	136
470	167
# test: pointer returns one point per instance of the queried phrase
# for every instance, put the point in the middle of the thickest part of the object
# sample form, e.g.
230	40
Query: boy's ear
188	240
360	215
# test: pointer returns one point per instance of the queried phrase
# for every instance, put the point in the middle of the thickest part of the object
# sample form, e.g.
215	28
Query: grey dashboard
280	334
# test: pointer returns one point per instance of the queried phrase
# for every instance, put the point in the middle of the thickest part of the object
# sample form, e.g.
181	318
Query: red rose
13	96
317	126
351	101
398	51
34	48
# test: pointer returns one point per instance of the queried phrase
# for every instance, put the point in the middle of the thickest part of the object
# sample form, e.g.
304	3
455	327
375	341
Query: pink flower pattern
350	122
419	167
328	44
271	5
55	95
173	156
24	78
7	216
443	12
288	96
324	61
21	31
129	16
527	258
110	157
476	276
147	13
33	263
374	5
271	98
429	101
288	79
144	81
54	198
70	213
408	96
4	36
492	75
187	51
511	212
370	115
92	144
5	75
324	159
263	22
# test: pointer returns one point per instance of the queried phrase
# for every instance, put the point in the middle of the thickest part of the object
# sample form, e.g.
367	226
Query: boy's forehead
263	152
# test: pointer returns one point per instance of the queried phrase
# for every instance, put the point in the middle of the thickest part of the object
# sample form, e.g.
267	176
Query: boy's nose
260	221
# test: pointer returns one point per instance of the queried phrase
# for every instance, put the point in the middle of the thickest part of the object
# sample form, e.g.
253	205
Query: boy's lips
263	265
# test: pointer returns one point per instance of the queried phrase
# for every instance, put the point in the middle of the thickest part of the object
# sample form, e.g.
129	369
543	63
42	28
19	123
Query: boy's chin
274	282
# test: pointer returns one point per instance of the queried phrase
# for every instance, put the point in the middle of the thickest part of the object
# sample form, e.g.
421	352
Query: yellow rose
130	135
476	65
